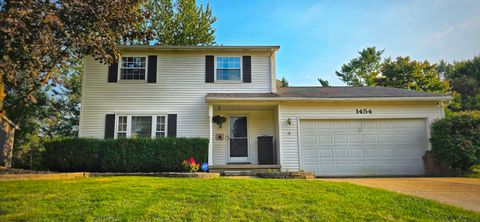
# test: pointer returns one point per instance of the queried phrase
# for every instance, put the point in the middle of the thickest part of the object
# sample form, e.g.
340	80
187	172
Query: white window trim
119	71
153	133
228	81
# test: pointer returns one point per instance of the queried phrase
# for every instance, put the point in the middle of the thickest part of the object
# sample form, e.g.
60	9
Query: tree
323	83
38	36
284	82
65	102
179	22
410	74
464	77
363	70
42	43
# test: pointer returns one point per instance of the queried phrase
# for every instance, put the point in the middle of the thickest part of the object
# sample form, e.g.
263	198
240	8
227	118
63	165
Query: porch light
289	121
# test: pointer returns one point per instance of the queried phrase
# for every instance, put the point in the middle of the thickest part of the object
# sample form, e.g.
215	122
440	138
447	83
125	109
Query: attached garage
365	147
349	131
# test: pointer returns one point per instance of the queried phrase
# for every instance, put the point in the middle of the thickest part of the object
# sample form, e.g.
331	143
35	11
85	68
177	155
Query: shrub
456	139
122	155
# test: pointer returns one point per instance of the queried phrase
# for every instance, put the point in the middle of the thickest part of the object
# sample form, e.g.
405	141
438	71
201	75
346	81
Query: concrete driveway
461	192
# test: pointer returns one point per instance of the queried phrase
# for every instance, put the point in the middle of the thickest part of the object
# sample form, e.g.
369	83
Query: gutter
288	99
199	48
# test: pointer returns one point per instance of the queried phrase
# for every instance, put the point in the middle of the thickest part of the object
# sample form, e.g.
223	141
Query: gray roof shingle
330	92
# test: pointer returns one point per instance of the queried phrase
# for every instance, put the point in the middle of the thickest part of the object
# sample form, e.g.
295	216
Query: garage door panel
326	153
370	139
363	147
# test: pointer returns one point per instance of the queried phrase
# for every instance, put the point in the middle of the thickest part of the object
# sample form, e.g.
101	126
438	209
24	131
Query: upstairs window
133	68
228	68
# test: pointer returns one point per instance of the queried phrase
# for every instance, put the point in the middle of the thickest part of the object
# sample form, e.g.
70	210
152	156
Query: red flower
191	160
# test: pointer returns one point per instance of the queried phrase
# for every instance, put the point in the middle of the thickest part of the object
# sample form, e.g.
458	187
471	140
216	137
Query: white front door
238	139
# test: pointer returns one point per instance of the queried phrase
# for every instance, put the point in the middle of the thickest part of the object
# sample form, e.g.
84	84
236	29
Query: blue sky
317	37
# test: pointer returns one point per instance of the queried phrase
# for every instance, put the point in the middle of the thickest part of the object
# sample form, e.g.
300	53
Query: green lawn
475	171
168	199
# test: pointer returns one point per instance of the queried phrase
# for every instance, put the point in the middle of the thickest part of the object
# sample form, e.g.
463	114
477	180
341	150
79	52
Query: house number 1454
364	111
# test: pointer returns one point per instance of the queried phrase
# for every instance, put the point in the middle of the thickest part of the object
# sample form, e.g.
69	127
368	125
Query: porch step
237	173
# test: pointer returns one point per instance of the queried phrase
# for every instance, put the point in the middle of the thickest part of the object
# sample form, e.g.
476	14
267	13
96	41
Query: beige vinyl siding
180	89
289	134
260	123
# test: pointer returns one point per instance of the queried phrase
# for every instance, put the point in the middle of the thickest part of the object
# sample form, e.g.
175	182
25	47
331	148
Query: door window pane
238	127
141	126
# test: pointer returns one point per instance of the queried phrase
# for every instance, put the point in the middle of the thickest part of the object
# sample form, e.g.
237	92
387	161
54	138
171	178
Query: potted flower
219	120
190	165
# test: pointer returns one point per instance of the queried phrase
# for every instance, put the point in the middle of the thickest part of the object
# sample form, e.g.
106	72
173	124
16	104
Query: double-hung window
160	129
133	68
147	126
228	69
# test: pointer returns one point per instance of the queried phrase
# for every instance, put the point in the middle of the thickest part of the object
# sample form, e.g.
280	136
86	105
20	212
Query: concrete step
237	173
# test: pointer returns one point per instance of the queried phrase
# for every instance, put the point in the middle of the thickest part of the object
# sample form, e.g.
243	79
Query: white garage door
363	147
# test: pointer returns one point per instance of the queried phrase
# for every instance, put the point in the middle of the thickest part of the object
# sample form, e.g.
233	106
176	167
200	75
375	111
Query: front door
238	139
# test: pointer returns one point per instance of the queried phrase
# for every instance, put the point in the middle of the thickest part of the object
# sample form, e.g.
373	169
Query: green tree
464	77
65	100
323	83
410	74
37	37
42	43
284	82
363	70
180	22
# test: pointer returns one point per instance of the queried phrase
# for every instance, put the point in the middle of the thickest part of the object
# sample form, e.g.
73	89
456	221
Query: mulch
8	170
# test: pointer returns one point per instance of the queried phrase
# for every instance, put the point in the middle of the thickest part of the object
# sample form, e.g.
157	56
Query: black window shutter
247	69
113	72
152	69
109	126
172	125
209	69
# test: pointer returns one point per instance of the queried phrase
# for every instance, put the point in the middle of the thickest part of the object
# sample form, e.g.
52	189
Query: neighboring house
158	91
7	134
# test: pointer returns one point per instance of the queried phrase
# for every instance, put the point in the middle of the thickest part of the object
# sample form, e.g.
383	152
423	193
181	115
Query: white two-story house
229	95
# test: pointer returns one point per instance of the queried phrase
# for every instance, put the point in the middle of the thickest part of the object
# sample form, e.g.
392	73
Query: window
133	68
160	131
122	127
141	126
148	126
228	68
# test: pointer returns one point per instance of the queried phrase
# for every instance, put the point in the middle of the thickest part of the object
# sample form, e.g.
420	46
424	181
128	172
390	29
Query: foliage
362	70
179	22
323	83
217	199
456	139
38	36
56	113
122	155
464	78
410	74
190	165
284	82
368	69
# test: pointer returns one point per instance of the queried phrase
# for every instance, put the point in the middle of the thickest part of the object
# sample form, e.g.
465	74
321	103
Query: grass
475	171
175	199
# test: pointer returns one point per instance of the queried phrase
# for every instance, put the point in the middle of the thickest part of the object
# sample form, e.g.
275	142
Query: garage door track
460	192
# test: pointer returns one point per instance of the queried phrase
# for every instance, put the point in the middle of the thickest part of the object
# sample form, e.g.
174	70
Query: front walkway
460	192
